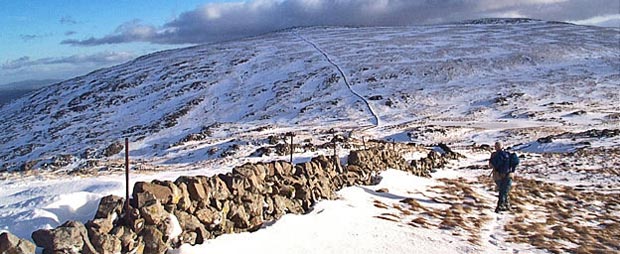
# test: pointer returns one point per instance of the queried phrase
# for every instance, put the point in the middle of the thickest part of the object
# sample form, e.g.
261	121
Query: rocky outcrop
239	201
113	149
593	133
10	244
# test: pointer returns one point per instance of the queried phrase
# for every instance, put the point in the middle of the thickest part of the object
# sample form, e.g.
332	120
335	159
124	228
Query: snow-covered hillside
316	78
548	90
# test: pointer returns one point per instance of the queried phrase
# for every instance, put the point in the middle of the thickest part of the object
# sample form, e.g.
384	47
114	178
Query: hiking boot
507	206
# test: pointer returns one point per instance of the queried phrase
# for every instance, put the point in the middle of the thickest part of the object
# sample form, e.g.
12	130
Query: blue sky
60	39
35	29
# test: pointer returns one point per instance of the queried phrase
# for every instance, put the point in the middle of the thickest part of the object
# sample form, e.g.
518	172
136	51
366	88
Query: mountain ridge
278	79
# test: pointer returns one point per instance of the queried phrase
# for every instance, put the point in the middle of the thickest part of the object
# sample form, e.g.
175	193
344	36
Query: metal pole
336	160
127	219
364	142
292	149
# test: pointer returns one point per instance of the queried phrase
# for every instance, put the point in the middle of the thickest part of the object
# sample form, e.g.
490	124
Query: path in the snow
493	236
460	202
342	74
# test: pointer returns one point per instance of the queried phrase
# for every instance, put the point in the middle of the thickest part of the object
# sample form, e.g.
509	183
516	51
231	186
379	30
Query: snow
459	84
343	226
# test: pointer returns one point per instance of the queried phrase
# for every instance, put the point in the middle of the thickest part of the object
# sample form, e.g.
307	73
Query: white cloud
98	58
24	68
606	20
229	20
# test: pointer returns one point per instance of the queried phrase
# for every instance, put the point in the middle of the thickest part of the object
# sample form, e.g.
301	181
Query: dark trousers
503	185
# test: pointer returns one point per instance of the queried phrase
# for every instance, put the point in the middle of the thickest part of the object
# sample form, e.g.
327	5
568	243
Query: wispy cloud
98	58
30	37
67	20
128	32
69	33
228	20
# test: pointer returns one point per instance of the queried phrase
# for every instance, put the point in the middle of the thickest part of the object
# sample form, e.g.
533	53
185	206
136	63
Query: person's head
498	146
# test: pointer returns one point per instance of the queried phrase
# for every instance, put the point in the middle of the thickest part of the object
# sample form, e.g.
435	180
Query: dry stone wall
206	207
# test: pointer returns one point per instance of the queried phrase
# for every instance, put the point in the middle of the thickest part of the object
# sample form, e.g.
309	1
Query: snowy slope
294	78
465	84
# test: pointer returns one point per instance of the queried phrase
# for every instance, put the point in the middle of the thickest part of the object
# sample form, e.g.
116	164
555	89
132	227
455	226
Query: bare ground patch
562	219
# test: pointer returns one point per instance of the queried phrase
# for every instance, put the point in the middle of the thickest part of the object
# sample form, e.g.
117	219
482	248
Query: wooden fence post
127	214
290	134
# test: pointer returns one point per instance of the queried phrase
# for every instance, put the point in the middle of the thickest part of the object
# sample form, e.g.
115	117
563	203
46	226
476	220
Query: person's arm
491	159
491	164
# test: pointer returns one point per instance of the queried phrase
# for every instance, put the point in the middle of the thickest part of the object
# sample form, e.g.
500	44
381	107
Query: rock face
240	201
113	149
69	237
10	244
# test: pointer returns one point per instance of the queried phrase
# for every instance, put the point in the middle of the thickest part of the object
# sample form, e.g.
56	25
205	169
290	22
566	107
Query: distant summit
505	21
15	90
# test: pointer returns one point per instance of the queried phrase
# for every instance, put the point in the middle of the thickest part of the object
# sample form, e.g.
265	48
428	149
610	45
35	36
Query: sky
60	39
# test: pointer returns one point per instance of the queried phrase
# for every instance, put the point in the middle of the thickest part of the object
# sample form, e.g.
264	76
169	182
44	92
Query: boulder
162	192
187	237
10	244
239	217
153	213
261	171
189	223
252	177
43	238
283	205
137	224
153	240
195	188
357	157
256	223
287	191
129	240
236	184
105	243
208	216
282	168
226	227
270	170
269	208
102	226
176	192
110	205
69	237
185	203
253	204
219	189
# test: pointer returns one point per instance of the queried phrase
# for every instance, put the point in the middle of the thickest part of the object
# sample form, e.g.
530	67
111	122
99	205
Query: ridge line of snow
346	81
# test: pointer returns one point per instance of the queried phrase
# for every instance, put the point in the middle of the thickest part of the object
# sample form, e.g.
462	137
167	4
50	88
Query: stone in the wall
189	223
185	202
105	243
110	205
195	187
153	213
153	240
10	244
67	238
157	188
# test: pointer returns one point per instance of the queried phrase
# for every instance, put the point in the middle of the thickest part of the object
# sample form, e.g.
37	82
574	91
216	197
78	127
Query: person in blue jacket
504	165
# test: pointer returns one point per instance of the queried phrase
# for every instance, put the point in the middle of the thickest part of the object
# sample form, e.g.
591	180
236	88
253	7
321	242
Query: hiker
504	165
